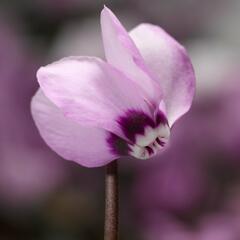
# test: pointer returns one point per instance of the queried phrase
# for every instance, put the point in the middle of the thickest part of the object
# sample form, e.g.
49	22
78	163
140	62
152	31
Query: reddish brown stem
111	202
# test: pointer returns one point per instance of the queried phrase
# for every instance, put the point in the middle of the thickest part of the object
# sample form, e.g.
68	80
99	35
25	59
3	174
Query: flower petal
122	53
168	60
91	92
84	145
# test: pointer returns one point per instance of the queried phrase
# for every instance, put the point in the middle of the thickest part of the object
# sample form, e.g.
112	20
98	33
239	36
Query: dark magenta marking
134	122
161	118
150	150
161	143
118	145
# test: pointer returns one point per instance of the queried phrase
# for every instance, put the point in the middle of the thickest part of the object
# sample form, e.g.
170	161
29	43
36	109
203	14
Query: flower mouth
145	137
151	143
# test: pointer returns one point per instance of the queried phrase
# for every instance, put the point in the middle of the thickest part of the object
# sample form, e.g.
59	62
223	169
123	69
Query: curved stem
111	202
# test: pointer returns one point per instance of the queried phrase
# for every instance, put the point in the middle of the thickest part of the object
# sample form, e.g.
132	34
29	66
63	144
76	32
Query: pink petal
122	53
91	92
168	60
84	145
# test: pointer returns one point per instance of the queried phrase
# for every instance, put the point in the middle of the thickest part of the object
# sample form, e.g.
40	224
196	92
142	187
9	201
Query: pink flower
92	112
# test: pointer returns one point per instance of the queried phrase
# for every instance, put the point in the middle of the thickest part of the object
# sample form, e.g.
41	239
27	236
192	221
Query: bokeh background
191	191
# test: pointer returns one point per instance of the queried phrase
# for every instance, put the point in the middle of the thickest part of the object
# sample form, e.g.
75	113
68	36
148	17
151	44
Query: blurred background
192	191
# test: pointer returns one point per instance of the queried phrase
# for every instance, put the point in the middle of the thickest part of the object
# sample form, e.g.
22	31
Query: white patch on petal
163	131
138	152
149	144
149	136
156	145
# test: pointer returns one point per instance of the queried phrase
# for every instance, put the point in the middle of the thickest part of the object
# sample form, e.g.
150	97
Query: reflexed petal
169	61
122	53
84	145
91	92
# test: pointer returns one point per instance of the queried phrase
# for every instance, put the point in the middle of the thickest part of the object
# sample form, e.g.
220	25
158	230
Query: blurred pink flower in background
27	175
28	170
177	184
219	226
164	226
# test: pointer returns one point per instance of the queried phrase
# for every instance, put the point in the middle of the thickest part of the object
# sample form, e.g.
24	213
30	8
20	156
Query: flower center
151	142
145	136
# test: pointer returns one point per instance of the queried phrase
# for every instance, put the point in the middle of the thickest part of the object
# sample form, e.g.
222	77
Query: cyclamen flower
93	112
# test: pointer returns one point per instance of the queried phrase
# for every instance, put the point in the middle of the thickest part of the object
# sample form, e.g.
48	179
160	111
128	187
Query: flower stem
111	202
